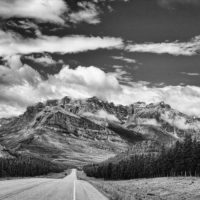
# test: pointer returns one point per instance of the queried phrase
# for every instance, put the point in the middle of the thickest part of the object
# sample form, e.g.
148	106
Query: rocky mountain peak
69	129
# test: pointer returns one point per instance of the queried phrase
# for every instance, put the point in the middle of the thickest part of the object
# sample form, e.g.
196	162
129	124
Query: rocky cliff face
59	130
4	121
5	153
77	132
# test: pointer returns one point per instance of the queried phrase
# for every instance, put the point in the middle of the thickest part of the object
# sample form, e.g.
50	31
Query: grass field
173	188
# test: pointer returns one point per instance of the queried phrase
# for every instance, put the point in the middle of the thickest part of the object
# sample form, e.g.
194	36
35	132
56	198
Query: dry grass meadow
168	188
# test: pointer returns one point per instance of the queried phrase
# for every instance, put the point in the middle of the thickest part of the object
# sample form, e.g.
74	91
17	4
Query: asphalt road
68	188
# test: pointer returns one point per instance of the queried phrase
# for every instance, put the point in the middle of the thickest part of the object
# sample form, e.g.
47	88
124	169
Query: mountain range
76	132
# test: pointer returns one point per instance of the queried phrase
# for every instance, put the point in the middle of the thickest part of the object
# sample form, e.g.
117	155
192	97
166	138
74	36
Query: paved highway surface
68	188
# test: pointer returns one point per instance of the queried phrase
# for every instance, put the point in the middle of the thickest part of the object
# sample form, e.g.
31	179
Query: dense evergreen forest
26	166
183	159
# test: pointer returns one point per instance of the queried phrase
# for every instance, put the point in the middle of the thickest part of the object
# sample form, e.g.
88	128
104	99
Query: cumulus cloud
88	13
22	86
11	44
17	87
13	73
54	11
83	82
42	10
176	48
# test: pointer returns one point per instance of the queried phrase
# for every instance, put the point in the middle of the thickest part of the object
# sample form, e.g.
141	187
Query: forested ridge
183	159
26	166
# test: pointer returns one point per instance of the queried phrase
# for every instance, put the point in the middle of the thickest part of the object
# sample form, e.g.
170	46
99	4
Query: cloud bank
11	44
176	48
22	86
53	11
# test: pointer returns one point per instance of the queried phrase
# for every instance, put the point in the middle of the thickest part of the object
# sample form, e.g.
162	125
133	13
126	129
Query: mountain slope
5	153
53	130
77	132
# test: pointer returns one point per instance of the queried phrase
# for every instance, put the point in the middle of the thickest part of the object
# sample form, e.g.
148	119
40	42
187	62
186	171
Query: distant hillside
77	132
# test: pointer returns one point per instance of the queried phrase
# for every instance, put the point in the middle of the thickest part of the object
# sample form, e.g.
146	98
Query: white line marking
74	192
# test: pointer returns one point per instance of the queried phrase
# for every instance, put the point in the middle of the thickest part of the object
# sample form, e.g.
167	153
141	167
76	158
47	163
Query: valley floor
172	188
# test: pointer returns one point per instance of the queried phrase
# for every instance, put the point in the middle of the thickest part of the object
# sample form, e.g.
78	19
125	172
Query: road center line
74	191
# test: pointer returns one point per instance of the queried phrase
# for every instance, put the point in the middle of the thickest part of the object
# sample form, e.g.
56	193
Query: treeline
181	160
26	166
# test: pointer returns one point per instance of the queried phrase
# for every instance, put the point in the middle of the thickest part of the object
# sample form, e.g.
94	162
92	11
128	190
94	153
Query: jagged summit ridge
78	131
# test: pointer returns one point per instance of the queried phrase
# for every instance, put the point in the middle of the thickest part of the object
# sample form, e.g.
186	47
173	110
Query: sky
122	51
